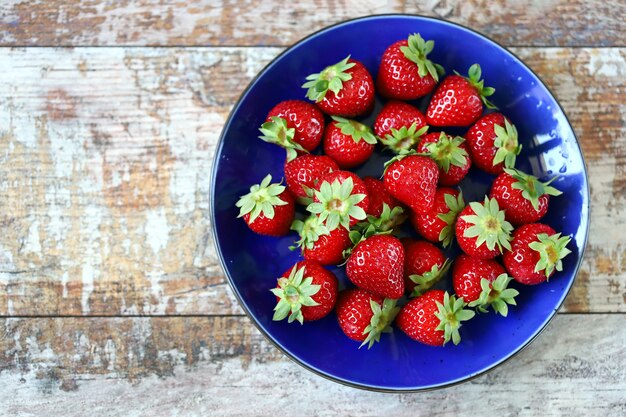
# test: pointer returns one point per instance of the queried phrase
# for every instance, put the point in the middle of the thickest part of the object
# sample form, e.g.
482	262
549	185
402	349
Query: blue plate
252	262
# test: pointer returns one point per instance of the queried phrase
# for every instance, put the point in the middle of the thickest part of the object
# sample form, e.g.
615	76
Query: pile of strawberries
355	221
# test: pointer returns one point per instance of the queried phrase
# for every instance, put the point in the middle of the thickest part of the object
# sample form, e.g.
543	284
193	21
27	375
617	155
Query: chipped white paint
156	229
611	64
32	244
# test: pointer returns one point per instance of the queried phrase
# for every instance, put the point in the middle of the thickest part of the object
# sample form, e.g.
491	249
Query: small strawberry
344	89
340	199
378	196
376	264
306	292
493	143
483	283
400	126
450	154
537	252
303	173
412	179
424	265
405	72
433	318
482	231
438	224
268	209
320	244
348	142
523	197
458	101
364	316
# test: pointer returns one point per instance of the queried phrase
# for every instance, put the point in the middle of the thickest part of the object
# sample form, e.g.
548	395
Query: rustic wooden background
111	296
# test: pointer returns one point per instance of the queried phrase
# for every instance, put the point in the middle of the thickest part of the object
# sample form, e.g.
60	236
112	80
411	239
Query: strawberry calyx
336	204
388	220
262	198
331	78
294	292
403	140
451	313
380	322
309	230
276	131
496	294
447	151
417	52
531	187
455	205
357	131
474	74
488	225
552	249
507	145
425	281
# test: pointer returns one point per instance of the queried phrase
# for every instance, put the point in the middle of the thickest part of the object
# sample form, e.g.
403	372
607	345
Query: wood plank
104	176
151	366
255	22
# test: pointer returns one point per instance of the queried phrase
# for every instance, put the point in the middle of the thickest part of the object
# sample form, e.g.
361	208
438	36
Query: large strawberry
320	244
364	316
412	180
306	292
433	318
424	265
482	231
400	126
348	142
343	89
302	174
522	196
376	264
450	154
379	196
439	223
268	209
536	253
458	101
493	143
340	199
405	72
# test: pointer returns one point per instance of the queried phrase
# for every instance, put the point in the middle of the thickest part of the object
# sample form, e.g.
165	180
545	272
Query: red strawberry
412	180
482	231
405	72
433	318
438	224
344	89
450	154
268	209
424	266
340	199
364	316
376	264
306	292
303	173
537	252
348	142
400	126
378	196
523	197
483	283
493	143
320	244
458	101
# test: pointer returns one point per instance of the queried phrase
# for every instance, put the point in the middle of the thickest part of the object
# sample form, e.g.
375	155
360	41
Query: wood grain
255	22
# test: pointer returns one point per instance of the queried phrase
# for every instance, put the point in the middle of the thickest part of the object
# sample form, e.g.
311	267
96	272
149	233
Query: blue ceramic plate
252	262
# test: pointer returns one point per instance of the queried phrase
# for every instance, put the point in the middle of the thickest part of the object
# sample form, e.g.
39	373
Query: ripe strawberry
344	89
482	231
320	244
412	180
450	154
376	264
340	199
364	316
493	143
303	173
458	101
537	252
400	126
378	196
306	292
438	224
424	266
268	209
405	72
483	283
433	318
348	142
523	197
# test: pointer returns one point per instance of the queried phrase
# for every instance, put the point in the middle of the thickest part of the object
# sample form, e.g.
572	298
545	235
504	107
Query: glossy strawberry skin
413	181
468	244
328	249
468	272
343	149
480	140
429	225
398	77
305	118
354	312
377	265
418	321
281	222
395	115
455	103
307	170
378	195
455	174
518	210
521	260
356	96
419	258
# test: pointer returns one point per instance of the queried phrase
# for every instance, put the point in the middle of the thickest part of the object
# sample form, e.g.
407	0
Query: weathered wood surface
105	155
256	22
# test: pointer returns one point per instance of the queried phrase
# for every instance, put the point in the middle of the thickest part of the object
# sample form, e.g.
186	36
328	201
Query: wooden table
112	299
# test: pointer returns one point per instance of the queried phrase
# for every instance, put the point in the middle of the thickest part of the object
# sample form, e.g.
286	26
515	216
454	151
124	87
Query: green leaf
261	199
331	78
